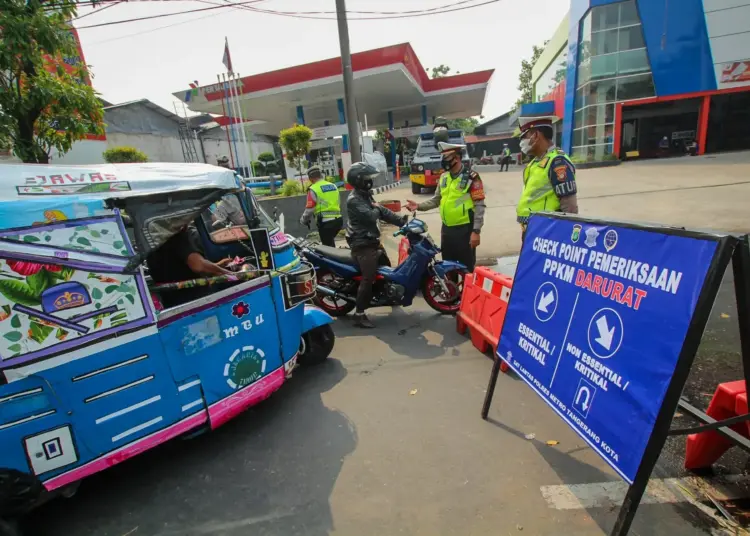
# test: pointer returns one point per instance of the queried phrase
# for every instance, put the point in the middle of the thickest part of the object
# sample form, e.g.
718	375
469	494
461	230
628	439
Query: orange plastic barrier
703	449
483	307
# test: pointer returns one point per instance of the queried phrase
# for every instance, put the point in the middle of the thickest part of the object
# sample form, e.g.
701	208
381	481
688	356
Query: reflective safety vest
506	151
327	205
538	191
455	199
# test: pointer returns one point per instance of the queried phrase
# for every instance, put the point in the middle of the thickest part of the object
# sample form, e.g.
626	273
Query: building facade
645	78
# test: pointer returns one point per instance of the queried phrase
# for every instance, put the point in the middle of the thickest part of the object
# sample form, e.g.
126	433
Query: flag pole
231	120
248	145
224	113
233	91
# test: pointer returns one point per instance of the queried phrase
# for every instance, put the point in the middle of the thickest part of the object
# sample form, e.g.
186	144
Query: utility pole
346	67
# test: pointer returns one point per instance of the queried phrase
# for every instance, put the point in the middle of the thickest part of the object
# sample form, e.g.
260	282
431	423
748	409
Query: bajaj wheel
416	188
316	345
329	304
445	303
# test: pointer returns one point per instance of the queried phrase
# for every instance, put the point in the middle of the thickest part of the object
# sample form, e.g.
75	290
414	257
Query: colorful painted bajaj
91	371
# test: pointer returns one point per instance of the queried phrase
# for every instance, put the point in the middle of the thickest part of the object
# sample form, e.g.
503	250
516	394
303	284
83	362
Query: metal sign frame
728	248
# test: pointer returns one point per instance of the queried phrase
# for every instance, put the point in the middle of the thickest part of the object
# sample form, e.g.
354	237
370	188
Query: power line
113	4
138	19
158	28
313	15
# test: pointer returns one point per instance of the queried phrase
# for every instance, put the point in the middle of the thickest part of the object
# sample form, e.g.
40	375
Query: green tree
43	104
121	155
266	157
524	78
296	142
467	124
439	72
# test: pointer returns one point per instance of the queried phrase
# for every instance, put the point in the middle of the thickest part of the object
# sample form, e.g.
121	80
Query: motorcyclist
363	233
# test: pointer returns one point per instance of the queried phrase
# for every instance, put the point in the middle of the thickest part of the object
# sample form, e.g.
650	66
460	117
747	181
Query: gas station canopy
390	79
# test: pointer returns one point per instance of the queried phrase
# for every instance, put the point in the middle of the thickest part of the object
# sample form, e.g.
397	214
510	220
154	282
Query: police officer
549	180
323	202
460	196
505	161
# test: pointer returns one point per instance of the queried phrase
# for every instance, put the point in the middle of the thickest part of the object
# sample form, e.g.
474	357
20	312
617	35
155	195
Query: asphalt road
384	438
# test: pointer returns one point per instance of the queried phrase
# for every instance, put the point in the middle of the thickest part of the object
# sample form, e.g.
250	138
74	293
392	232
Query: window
605	17
226	220
552	76
612	67
630	38
632	62
635	87
604	42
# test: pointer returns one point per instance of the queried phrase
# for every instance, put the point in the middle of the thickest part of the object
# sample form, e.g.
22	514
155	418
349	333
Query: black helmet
361	175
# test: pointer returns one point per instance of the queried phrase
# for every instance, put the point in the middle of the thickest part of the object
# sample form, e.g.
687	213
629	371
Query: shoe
361	321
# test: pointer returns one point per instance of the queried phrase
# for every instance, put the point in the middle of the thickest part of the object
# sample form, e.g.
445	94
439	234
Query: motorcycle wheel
316	345
329	304
435	298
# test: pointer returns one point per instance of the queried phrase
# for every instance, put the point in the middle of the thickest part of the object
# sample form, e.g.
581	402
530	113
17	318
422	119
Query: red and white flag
227	59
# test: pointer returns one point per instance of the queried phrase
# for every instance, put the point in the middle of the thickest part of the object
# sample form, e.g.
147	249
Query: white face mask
525	146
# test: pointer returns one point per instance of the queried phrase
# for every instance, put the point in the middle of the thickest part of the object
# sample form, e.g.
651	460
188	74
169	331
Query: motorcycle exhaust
332	293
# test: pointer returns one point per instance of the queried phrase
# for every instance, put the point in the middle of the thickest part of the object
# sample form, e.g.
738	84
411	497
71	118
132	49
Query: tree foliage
525	85
124	155
439	72
296	142
466	124
45	100
267	156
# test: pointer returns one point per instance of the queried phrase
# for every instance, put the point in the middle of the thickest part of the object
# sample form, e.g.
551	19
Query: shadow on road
410	332
271	471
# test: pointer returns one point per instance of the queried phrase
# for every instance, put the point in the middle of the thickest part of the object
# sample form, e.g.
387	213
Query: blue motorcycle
441	282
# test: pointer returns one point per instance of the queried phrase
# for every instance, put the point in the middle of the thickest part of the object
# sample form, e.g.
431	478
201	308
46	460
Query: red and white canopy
385	79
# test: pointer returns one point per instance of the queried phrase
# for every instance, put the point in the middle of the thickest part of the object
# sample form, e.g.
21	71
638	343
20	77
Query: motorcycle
441	282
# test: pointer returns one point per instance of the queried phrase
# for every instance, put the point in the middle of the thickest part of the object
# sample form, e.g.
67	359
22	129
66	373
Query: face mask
447	162
525	146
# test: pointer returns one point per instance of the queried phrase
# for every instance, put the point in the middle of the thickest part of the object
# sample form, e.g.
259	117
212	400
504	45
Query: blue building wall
677	45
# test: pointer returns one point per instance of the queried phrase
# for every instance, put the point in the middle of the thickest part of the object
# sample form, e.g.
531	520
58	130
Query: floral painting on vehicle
94	235
49	308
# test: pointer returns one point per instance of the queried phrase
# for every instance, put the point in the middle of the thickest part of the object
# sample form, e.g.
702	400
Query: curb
381	189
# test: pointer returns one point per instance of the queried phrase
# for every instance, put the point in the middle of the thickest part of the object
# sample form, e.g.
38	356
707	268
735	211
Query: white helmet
445	146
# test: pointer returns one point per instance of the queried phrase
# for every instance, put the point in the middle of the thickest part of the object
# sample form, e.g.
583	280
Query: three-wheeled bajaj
92	372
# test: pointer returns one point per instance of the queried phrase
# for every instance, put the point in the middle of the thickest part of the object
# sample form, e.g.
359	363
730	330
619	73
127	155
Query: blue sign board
596	323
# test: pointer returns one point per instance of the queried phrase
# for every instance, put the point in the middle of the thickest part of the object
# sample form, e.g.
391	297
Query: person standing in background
323	202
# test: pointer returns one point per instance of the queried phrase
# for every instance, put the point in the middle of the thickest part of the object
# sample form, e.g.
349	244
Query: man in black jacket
363	233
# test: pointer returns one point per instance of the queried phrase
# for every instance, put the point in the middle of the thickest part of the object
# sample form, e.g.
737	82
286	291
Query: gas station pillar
300	115
393	144
424	115
346	156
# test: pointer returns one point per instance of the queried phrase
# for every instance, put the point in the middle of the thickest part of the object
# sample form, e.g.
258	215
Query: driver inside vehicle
229	212
181	258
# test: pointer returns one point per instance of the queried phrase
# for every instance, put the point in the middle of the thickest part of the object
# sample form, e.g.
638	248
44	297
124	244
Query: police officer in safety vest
323	202
549	180
460	196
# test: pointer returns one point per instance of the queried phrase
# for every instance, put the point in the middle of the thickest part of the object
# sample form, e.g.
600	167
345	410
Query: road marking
659	491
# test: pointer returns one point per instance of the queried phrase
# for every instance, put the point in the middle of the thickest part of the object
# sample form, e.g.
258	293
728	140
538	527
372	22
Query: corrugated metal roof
148	104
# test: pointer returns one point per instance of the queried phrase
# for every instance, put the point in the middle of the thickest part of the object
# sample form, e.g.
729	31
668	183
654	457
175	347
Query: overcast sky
152	59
